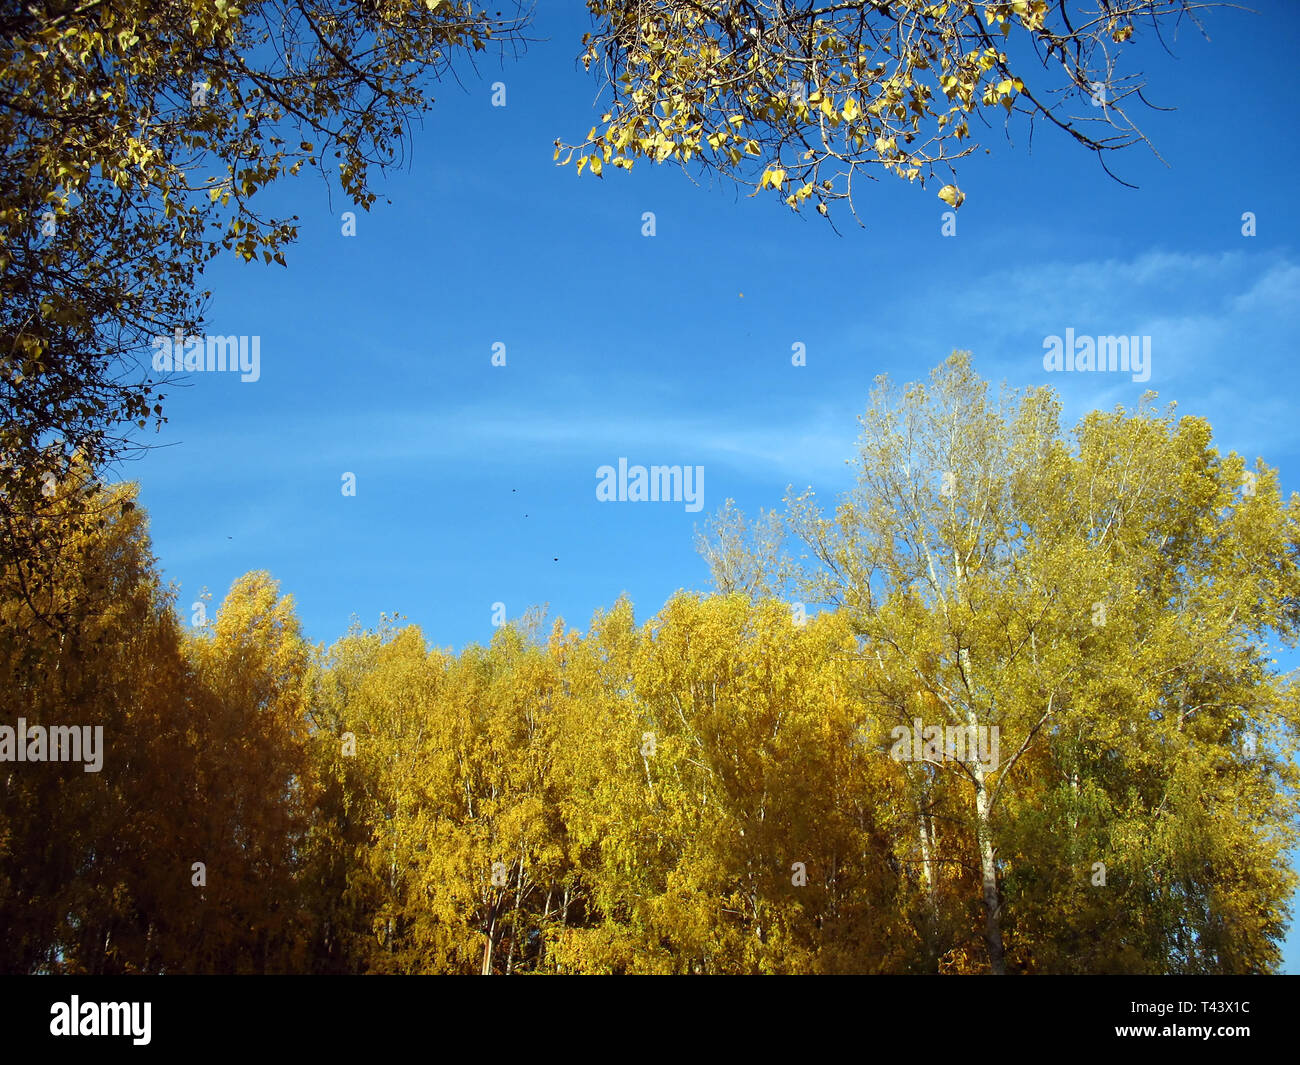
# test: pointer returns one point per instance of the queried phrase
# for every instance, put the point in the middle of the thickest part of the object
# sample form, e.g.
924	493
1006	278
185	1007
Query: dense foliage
716	789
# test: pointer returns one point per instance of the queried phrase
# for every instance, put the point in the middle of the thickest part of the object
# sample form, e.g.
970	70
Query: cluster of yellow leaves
835	92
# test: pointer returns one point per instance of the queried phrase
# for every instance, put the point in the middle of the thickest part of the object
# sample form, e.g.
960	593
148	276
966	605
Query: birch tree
1105	604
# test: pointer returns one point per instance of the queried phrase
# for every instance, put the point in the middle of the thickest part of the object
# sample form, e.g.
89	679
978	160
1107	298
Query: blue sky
476	484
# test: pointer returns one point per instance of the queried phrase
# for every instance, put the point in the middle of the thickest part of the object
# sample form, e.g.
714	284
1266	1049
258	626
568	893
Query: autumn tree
1106	605
254	792
441	828
717	805
175	848
90	879
343	890
137	138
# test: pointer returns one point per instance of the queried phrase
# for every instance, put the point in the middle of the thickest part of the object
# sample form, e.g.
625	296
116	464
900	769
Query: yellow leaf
952	195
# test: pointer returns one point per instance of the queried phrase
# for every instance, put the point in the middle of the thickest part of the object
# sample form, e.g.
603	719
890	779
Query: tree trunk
984	833
988	871
927	873
491	935
514	919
